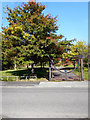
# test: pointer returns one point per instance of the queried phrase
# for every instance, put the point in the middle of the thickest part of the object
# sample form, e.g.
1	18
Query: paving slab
64	84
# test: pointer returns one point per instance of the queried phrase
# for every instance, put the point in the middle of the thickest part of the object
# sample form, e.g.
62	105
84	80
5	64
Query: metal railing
12	78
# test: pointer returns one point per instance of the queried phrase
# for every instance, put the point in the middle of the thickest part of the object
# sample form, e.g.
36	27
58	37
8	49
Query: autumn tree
76	51
29	34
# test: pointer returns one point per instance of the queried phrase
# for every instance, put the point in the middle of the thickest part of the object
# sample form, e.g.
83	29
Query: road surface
44	102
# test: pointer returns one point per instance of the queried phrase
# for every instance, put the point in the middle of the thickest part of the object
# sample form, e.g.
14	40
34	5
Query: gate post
81	68
81	65
50	74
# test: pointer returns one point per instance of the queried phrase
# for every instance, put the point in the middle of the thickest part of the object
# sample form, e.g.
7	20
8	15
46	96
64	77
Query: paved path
19	83
45	102
73	84
64	76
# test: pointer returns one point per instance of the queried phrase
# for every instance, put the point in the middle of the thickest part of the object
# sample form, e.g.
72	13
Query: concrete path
64	76
73	84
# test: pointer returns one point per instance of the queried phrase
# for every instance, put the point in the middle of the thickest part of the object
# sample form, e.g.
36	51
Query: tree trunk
41	64
27	65
32	69
15	65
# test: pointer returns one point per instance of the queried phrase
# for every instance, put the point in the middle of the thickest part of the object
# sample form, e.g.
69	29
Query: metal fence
16	78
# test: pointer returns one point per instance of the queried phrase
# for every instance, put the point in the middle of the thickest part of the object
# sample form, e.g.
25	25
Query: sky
72	18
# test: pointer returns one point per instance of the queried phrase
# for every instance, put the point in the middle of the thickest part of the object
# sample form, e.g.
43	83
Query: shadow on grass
40	73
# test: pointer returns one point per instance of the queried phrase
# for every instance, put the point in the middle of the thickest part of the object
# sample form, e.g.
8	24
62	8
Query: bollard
17	78
1	78
7	77
26	78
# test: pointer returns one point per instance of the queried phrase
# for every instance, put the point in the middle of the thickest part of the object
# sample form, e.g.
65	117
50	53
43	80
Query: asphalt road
44	102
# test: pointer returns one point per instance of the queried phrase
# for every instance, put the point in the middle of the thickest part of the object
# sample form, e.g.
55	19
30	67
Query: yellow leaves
18	28
48	38
79	47
33	37
26	34
8	30
12	32
73	53
11	21
64	55
13	29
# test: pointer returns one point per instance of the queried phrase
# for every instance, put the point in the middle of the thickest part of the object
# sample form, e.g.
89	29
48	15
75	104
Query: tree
7	61
78	49
29	36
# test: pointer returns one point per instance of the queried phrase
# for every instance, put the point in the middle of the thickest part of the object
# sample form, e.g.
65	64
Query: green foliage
75	51
82	48
30	36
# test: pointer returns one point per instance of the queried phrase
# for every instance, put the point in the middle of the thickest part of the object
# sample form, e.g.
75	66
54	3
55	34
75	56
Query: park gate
67	73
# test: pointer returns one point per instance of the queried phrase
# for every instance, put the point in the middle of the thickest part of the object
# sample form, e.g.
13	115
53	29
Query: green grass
42	74
6	73
85	73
